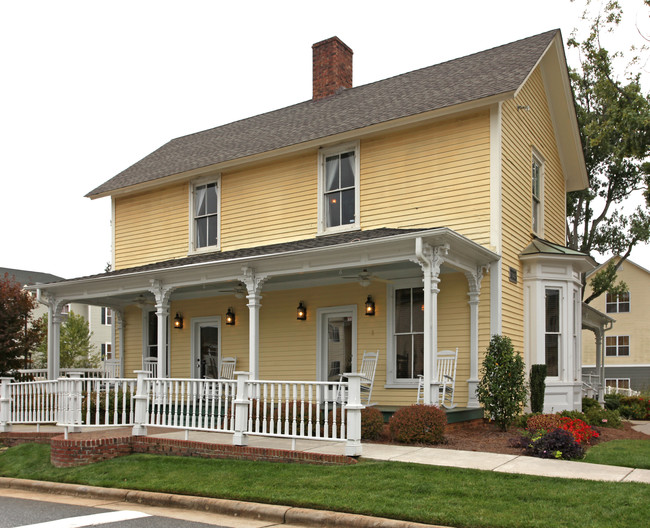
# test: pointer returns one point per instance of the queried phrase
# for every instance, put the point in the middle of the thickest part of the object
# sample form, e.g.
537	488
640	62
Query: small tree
76	349
537	388
502	389
19	331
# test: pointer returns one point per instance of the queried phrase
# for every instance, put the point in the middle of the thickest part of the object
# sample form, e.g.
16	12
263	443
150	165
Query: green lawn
629	453
436	495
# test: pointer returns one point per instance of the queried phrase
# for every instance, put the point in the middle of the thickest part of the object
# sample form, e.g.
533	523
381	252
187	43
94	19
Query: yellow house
626	347
419	213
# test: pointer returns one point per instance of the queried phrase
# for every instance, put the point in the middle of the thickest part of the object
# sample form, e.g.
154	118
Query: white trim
391	380
621	365
496	196
204	180
322	212
112	233
539	159
195	324
496	297
321	333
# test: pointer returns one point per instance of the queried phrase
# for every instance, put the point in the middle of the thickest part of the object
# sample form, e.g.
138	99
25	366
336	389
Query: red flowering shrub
582	433
418	424
547	422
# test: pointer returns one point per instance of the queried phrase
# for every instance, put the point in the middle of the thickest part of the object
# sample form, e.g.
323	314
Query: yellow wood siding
288	346
151	226
523	131
633	323
435	175
270	203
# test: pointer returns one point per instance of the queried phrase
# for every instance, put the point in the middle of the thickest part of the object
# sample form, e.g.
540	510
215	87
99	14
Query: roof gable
499	71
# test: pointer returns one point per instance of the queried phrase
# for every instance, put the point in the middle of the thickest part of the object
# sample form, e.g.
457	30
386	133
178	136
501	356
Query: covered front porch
402	293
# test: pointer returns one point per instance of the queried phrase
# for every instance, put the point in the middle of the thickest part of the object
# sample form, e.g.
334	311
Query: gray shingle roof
27	278
489	73
270	249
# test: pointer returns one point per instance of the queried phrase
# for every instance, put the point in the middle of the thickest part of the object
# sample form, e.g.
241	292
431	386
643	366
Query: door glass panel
339	347
152	341
209	352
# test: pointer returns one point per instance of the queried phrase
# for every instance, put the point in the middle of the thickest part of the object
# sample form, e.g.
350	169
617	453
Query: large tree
20	333
614	120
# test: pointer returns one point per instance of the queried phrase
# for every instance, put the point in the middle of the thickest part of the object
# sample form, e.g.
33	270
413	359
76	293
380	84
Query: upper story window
617	345
205	215
538	189
107	316
618	303
339	188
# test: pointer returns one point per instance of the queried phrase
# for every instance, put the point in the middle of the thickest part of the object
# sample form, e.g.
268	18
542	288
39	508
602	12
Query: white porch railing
620	390
285	409
110	370
201	404
296	410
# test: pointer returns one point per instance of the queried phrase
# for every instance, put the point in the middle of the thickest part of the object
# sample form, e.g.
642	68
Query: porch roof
286	261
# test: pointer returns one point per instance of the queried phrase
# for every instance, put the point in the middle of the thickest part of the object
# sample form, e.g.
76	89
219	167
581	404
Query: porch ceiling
384	258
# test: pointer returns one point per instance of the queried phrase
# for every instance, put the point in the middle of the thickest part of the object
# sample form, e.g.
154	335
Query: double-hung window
552	331
537	190
408	339
339	189
106	316
205	215
617	345
618	303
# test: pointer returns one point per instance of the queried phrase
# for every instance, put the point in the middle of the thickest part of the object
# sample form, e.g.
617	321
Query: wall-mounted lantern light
370	306
178	321
301	312
230	317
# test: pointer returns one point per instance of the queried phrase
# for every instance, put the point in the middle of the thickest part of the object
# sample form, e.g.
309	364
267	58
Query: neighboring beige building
627	344
99	318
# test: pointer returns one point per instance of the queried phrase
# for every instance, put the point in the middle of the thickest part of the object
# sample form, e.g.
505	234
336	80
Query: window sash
618	303
616	346
339	189
206	215
553	331
408	333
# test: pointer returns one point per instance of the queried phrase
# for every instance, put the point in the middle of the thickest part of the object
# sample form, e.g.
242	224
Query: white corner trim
496	195
112	233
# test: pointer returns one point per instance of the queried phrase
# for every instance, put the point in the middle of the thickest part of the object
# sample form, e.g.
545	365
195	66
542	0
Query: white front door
206	347
337	342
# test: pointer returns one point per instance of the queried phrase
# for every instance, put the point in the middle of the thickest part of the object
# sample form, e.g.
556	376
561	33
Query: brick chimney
332	67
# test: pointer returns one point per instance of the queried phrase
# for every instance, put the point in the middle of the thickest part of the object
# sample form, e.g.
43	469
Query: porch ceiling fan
239	290
364	277
142	301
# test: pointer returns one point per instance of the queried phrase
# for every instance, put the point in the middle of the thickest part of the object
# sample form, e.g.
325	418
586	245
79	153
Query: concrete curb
251	510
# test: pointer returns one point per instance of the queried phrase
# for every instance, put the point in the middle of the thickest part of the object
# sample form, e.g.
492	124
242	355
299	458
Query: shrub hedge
418	424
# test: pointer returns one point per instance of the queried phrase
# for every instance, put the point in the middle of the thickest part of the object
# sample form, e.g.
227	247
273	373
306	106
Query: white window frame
561	329
106	316
392	382
618	346
617	303
192	231
537	202
322	208
106	349
618	381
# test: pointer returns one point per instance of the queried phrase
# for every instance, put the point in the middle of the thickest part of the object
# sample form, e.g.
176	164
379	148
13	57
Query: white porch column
600	367
430	260
253	284
474	281
162	294
119	324
54	320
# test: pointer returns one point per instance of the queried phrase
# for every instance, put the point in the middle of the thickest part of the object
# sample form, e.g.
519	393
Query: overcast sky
90	87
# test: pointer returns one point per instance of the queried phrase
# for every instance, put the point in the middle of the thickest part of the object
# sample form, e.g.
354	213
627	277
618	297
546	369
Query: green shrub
521	421
537	388
92	415
598	417
613	401
502	389
633	408
372	423
574	415
589	403
418	424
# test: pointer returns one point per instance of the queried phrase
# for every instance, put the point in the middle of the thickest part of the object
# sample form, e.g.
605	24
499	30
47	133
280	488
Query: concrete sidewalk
524	465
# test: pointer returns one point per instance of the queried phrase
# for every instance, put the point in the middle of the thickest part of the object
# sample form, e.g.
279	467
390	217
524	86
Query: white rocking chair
446	369
227	371
367	371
